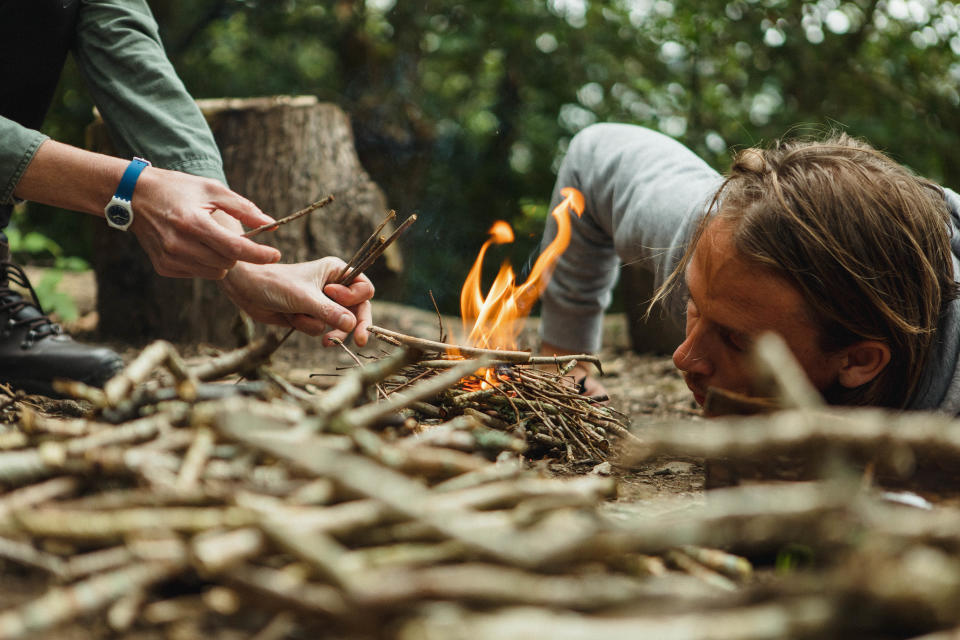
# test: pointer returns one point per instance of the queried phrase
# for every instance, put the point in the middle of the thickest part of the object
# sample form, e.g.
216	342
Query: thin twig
494	354
339	342
293	216
376	251
443	335
365	248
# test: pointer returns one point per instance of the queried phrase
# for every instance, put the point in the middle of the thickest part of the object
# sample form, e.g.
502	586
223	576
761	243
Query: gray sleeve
644	193
143	102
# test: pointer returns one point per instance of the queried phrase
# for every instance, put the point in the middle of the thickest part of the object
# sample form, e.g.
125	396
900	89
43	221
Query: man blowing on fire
179	207
844	253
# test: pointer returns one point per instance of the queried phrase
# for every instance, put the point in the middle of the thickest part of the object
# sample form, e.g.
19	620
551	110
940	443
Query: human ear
862	362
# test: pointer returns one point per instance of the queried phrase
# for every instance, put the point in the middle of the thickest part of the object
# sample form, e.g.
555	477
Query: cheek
821	370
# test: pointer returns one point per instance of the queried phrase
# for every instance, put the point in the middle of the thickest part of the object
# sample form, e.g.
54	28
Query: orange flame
495	321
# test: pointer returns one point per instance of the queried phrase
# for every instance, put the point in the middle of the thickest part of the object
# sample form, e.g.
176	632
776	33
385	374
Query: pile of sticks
187	507
197	501
529	396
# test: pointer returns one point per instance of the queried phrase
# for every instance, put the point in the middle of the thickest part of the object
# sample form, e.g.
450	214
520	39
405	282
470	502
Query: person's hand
585	383
302	296
175	225
581	374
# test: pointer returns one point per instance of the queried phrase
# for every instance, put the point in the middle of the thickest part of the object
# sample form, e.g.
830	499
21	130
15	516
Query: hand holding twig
372	249
319	204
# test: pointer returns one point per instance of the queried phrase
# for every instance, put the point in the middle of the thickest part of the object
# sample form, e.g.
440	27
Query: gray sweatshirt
644	194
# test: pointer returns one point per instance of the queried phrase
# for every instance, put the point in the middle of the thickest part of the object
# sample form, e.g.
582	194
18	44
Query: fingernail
345	322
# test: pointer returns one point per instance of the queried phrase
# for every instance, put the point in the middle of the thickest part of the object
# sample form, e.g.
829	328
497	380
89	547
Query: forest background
462	111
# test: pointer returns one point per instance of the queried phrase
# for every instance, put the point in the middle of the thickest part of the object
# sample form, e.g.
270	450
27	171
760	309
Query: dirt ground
647	388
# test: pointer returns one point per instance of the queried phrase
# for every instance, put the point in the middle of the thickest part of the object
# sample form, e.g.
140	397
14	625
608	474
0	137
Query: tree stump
283	153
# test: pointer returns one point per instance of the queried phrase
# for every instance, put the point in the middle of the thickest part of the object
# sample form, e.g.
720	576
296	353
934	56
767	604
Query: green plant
793	557
34	246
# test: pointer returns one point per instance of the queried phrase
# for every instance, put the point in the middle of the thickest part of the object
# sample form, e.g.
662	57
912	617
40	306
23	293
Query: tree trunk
282	153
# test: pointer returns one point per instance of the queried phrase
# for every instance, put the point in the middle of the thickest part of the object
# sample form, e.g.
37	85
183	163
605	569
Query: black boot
34	351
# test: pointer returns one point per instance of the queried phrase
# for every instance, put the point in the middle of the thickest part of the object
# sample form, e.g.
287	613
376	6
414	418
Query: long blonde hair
864	240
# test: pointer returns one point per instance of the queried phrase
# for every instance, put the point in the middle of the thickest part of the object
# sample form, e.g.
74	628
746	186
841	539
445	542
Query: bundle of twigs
521	395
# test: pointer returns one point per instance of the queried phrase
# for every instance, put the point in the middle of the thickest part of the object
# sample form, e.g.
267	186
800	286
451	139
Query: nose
691	356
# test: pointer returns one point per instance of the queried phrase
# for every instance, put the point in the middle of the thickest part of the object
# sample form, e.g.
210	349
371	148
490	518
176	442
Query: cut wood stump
283	153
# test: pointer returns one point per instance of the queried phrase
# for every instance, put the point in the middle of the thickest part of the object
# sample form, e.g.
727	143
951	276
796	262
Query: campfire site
434	487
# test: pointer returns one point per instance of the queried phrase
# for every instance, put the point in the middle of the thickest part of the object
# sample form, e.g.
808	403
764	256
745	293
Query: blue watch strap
129	180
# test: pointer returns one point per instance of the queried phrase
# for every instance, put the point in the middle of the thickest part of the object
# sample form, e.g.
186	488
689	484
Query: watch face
118	215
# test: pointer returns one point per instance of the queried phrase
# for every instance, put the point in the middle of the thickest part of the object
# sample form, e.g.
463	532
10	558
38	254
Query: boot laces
11	303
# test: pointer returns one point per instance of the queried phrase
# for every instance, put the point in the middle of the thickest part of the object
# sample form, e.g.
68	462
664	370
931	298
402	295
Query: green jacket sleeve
144	104
17	146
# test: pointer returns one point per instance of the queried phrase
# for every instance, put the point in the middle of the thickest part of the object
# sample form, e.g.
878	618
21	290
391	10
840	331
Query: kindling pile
258	508
261	506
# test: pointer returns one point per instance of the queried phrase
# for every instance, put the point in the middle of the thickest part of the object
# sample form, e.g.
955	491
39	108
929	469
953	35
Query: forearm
63	176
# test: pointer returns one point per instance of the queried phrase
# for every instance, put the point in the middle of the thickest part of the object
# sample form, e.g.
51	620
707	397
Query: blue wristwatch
119	211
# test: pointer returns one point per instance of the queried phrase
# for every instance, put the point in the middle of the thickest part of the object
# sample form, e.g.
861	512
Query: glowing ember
495	321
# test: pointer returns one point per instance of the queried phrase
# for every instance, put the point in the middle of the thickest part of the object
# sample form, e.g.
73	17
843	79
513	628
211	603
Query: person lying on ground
840	250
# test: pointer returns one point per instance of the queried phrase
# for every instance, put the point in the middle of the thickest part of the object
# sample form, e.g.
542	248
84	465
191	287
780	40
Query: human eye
735	340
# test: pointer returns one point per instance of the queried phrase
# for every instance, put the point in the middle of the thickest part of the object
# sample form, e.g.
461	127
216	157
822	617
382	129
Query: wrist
119	210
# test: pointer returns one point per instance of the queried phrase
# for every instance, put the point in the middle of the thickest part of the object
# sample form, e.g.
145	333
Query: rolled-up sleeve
17	146
643	194
144	104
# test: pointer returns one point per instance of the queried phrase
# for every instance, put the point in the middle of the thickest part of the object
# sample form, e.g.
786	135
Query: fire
495	321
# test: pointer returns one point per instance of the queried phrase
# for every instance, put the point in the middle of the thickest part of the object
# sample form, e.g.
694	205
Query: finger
191	260
235	247
242	209
322	309
364	313
356	293
335	334
172	273
307	324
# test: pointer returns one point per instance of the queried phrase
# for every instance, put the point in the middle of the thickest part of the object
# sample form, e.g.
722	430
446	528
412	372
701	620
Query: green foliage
462	111
792	558
54	301
35	247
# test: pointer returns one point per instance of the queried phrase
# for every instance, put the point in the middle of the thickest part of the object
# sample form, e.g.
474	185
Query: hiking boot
34	351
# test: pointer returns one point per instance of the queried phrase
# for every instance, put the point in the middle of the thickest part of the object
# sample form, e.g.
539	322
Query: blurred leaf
71	263
36	243
54	301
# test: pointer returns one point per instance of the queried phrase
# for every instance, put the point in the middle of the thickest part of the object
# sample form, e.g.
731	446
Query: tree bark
282	153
